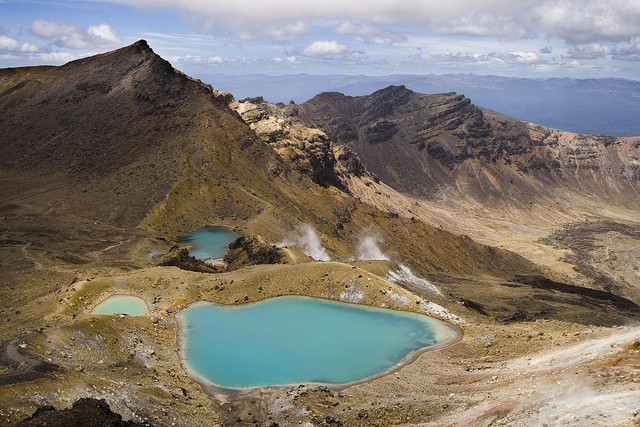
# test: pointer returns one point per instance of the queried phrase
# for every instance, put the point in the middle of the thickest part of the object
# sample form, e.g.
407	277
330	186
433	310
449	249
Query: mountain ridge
135	153
588	106
472	171
449	129
106	161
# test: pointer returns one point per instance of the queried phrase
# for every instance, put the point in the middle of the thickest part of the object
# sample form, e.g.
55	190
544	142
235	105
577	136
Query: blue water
209	242
291	340
125	304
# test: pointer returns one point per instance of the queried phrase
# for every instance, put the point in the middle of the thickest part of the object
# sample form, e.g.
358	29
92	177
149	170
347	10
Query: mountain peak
143	45
129	57
393	89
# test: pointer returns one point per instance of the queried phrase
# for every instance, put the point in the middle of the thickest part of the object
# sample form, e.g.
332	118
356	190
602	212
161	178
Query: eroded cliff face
431	145
307	149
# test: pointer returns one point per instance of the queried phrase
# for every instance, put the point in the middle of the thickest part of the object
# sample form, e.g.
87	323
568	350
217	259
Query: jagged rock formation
179	257
431	145
250	251
307	149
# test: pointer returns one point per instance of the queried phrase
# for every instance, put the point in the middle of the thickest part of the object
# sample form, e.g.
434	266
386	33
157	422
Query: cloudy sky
527	38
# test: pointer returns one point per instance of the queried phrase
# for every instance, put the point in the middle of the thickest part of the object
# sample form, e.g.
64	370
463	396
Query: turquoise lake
208	242
125	304
293	340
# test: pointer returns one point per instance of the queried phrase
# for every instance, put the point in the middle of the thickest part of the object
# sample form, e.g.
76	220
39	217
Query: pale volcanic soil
545	372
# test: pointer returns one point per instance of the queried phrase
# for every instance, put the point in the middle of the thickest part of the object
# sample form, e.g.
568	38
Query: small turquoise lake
293	340
208	242
125	304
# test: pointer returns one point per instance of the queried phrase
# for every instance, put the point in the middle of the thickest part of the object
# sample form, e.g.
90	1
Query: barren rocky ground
545	293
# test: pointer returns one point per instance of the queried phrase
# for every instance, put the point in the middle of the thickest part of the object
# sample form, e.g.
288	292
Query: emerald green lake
208	242
293	340
125	304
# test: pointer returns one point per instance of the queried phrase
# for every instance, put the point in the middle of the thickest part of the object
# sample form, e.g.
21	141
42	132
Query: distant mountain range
592	106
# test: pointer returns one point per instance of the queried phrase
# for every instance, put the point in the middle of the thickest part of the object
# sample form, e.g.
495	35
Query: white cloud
590	50
196	59
288	32
576	22
369	33
326	49
9	44
56	57
494	60
482	24
580	21
103	33
74	37
628	51
523	57
48	30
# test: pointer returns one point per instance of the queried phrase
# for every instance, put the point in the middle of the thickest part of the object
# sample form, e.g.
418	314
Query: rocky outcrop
246	251
430	145
309	150
84	412
179	257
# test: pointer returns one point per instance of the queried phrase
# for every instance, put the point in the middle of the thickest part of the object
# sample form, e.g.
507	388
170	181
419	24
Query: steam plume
306	239
368	249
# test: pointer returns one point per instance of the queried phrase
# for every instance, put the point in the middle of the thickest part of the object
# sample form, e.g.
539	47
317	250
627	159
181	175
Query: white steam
368	249
306	240
404	276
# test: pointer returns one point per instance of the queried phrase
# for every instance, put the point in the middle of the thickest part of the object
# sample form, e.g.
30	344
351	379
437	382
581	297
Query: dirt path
23	367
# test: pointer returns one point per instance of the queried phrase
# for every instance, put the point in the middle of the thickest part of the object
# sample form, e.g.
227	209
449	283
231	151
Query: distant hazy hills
594	106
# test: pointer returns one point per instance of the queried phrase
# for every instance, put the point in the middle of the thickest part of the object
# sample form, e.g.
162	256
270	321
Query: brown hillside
563	200
105	161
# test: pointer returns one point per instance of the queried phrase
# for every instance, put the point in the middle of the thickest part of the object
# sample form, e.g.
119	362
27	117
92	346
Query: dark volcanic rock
246	251
86	412
179	257
394	130
426	145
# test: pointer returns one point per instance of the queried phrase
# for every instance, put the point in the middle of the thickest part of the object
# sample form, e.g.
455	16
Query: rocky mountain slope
427	145
500	180
105	161
122	144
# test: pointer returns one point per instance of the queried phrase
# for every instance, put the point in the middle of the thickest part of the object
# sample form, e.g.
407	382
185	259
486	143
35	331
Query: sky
517	38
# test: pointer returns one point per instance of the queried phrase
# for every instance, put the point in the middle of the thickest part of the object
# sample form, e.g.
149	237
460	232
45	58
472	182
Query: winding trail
24	367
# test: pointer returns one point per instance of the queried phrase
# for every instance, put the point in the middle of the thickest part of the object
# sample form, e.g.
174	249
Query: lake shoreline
447	334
